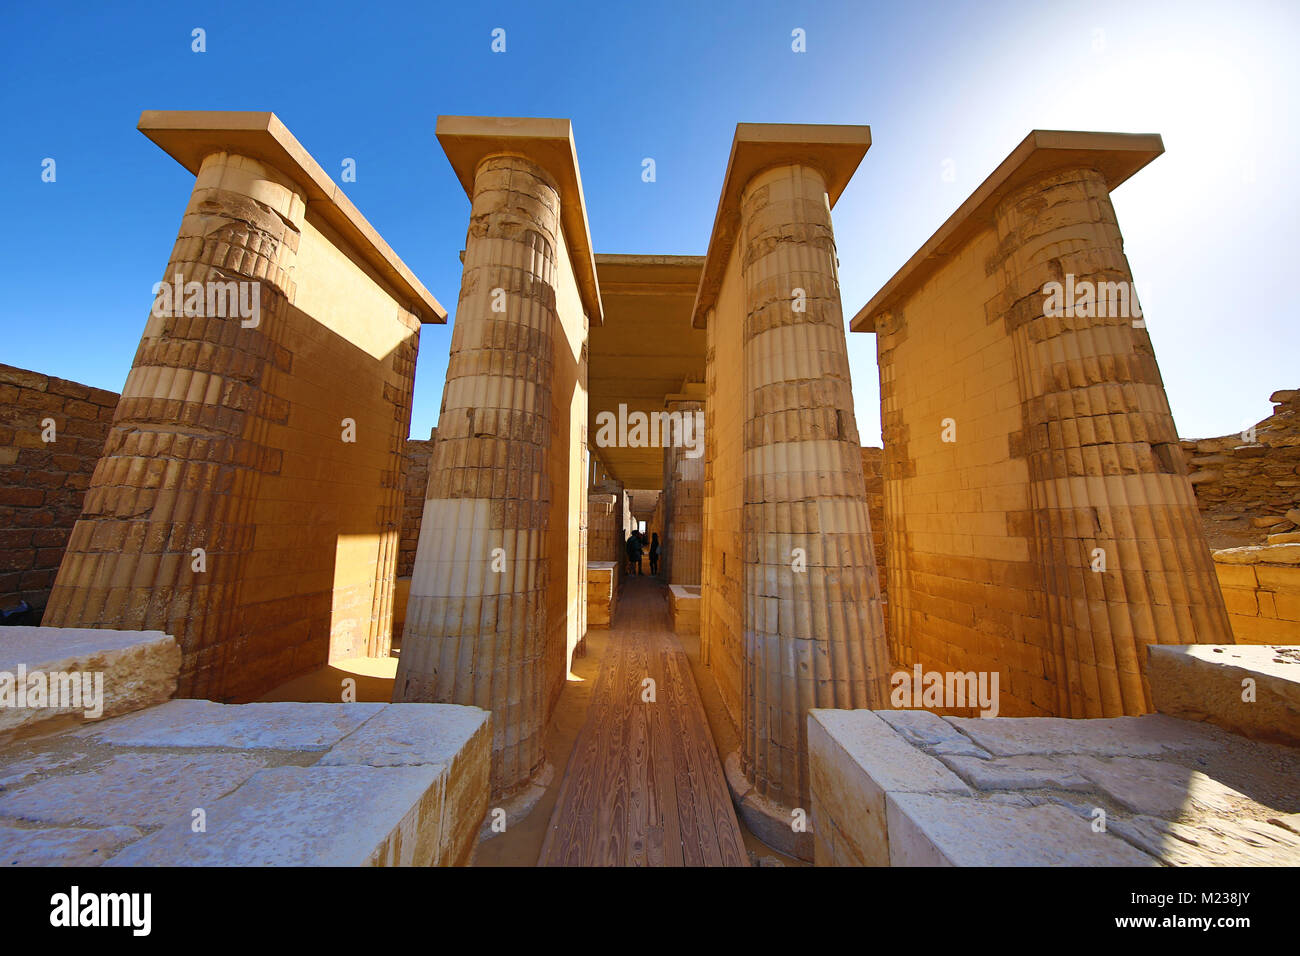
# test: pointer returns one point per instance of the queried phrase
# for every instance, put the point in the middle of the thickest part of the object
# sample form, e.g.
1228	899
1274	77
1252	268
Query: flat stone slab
909	788
1152	734
203	723
308	816
83	674
199	783
407	735
1249	689
141	790
61	846
943	830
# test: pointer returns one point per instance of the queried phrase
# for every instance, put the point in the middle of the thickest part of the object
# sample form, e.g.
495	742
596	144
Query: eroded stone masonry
294	604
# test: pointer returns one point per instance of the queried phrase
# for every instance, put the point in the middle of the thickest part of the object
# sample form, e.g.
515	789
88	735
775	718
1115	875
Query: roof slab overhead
1117	156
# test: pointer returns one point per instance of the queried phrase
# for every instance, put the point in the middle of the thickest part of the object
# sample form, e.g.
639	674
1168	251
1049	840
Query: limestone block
1217	842
1159	788
61	846
1034	772
455	737
1205	682
931	732
311	816
404	784
137	669
140	790
856	760
1150	735
939	829
202	723
684	602
402	735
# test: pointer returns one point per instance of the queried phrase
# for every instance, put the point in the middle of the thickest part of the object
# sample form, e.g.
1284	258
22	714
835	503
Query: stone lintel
1117	156
691	392
835	151
653	275
189	136
468	140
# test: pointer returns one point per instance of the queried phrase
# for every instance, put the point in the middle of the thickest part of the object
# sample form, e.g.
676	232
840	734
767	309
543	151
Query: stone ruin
251	511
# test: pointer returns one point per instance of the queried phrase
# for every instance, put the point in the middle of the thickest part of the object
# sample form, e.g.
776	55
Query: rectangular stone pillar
683	494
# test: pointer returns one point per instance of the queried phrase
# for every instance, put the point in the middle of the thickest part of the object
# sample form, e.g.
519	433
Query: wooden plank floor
644	786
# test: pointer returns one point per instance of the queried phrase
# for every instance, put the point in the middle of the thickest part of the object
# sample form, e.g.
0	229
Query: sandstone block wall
681	505
43	484
1261	588
415	480
873	475
1247	489
722	574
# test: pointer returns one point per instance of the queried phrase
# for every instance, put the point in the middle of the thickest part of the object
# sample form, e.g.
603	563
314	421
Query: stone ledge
684	603
277	784
1204	682
908	788
137	669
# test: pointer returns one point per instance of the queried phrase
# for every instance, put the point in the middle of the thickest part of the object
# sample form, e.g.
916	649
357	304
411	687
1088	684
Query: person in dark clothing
634	552
654	553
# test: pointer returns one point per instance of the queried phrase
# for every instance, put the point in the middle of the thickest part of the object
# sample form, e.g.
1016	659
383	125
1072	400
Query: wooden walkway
644	786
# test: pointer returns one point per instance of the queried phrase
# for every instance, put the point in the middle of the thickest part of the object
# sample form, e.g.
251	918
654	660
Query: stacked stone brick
415	483
43	483
1253	478
683	506
873	475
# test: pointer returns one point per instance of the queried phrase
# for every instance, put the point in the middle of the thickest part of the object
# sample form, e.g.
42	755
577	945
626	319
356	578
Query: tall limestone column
814	635
683	497
476	622
1119	541
183	460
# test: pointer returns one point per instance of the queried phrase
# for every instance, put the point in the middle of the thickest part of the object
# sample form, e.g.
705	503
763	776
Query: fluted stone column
683	503
183	460
1107	481
814	637
475	629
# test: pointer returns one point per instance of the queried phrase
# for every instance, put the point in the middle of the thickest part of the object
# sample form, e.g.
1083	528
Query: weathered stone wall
963	591
722	575
873	474
682	508
415	480
1246	488
1261	588
43	484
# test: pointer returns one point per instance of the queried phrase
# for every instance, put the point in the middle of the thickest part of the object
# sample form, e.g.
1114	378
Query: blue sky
1211	227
